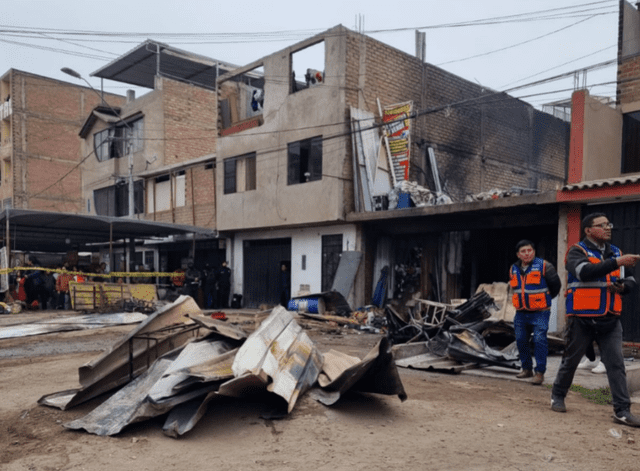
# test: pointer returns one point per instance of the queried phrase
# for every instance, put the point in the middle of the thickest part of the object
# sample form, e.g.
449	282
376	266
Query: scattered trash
615	433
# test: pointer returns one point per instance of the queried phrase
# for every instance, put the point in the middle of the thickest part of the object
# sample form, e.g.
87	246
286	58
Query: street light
75	74
71	72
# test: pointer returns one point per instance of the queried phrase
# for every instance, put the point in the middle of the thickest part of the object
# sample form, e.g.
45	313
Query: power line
579	10
517	44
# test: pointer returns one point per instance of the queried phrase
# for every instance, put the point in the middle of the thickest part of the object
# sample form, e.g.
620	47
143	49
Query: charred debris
451	338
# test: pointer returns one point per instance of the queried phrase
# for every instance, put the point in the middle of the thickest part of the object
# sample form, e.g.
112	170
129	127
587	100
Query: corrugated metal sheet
279	350
89	321
601	183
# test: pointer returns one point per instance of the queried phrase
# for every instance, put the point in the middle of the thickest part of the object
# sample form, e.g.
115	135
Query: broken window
240	173
307	67
304	161
241	101
159	190
114	200
119	140
631	142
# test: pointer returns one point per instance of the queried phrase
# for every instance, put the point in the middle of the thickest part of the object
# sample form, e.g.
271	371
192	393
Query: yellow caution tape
123	274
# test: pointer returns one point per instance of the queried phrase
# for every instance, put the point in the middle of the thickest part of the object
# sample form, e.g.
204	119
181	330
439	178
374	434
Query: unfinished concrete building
292	188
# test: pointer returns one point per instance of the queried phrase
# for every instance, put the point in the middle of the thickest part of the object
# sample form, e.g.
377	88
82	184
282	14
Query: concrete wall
630	44
290	117
303	242
602	141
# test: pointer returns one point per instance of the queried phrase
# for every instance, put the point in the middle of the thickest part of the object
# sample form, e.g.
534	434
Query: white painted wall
307	241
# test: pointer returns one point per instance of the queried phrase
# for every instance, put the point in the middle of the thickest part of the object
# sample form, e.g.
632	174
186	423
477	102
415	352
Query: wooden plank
94	295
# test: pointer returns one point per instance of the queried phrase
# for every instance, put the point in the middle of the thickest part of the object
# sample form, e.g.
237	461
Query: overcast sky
520	42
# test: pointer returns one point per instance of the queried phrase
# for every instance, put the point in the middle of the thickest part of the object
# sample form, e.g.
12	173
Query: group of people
48	289
214	283
596	282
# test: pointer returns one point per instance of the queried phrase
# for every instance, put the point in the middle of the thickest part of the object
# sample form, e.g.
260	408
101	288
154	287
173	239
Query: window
118	140
114	200
240	173
631	142
305	161
307	67
159	192
241	101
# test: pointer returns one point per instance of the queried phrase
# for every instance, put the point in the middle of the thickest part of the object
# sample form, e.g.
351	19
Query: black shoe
627	418
557	404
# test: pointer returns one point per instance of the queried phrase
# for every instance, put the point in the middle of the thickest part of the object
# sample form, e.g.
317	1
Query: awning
45	231
140	66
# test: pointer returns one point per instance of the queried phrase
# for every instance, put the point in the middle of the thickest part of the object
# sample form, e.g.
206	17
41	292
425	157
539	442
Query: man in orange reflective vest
534	282
595	282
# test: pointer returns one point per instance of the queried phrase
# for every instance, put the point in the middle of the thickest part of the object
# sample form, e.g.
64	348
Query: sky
504	45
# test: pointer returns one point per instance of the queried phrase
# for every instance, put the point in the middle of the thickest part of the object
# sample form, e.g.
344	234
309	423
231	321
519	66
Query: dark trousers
607	333
223	296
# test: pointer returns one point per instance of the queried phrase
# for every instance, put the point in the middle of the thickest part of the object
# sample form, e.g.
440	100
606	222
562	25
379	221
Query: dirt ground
449	422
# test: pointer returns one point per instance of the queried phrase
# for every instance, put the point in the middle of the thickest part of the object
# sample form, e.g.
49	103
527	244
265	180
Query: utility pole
131	195
128	139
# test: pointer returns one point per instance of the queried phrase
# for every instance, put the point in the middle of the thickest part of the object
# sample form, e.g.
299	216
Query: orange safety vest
178	280
530	290
592	298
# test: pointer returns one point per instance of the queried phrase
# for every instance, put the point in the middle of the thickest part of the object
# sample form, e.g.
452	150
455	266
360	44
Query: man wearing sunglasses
596	281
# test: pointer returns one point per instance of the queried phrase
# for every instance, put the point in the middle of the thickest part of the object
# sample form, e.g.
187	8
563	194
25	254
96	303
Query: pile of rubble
177	360
436	336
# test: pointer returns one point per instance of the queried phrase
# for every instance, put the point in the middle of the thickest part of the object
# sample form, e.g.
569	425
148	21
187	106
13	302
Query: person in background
535	283
597	278
285	285
62	287
78	277
192	278
224	285
210	287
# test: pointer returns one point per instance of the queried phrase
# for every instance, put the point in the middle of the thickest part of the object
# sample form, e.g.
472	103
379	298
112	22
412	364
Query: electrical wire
517	44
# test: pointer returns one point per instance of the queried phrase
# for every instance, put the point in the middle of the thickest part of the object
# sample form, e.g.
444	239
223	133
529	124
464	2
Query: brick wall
190	115
200	188
482	140
47	117
628	84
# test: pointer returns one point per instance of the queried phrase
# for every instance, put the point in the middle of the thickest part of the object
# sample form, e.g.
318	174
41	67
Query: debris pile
497	193
431	332
178	360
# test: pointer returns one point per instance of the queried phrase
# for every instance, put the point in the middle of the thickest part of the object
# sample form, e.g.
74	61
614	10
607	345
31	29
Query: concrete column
562	272
568	234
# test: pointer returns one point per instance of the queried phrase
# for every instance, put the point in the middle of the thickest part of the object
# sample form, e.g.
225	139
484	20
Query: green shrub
600	396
